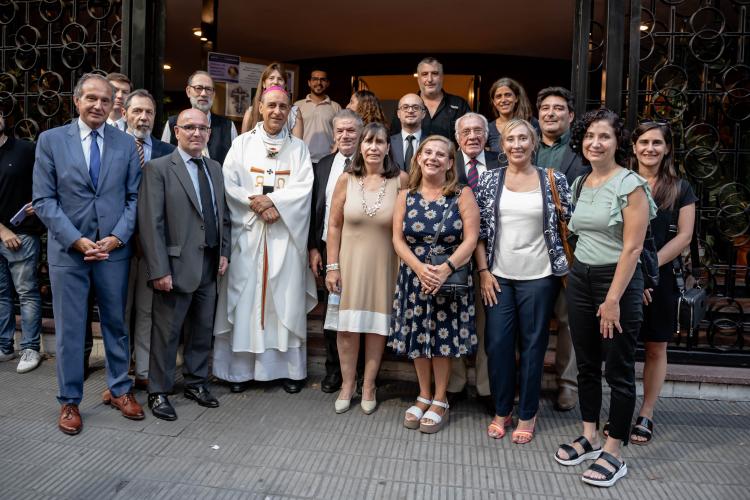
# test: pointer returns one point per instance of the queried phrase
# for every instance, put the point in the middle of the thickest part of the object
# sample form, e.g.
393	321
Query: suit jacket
397	150
170	221
572	166
489	158
160	148
67	202
322	172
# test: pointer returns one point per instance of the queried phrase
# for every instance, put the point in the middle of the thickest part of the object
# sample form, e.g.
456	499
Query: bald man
185	233
410	113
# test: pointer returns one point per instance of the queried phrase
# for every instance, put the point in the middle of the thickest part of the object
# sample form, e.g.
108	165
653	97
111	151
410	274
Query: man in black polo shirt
19	252
443	109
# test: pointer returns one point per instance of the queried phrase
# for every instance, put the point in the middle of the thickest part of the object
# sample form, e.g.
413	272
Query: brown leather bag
562	225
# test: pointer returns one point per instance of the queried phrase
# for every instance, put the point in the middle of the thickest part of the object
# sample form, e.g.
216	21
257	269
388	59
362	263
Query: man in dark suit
472	130
140	109
201	91
555	106
347	125
184	230
85	189
410	113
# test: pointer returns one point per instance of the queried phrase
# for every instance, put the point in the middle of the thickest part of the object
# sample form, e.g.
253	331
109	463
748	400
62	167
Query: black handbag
457	283
649	258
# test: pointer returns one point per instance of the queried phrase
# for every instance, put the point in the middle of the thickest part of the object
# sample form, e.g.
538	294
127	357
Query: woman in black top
653	160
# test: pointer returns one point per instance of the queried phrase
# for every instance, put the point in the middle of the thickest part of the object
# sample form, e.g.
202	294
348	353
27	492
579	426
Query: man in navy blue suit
140	111
85	189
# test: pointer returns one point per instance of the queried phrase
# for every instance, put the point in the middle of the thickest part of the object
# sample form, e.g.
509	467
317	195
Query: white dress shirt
337	168
417	136
85	132
481	163
192	169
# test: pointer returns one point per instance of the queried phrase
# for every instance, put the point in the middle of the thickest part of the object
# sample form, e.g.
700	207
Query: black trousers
193	315
587	289
329	336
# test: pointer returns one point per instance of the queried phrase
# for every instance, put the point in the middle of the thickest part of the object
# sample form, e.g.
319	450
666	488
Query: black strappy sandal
610	476
643	428
589	453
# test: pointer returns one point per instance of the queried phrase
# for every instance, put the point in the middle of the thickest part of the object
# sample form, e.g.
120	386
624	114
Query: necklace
371	211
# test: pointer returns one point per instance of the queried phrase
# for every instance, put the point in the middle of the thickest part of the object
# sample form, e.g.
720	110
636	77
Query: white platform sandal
417	412
438	420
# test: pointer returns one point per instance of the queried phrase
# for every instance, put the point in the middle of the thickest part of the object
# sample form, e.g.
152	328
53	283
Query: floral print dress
426	326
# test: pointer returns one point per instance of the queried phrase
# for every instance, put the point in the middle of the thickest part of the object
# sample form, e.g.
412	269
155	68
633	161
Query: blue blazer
160	148
66	201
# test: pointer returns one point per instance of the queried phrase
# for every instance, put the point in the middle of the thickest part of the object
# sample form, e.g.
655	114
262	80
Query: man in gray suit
184	230
86	179
410	113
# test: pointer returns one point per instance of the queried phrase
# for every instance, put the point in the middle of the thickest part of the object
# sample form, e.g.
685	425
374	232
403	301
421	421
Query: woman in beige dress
362	264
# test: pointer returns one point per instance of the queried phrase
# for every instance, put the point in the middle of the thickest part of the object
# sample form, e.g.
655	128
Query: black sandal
610	476
643	428
589	453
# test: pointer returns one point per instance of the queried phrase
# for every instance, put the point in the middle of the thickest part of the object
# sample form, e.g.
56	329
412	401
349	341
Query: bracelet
332	267
483	269
450	264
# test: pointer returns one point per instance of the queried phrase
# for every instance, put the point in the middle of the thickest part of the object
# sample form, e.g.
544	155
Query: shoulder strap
579	186
442	222
553	189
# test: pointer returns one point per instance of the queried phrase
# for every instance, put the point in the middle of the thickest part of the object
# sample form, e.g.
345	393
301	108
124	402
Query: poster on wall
224	67
238	100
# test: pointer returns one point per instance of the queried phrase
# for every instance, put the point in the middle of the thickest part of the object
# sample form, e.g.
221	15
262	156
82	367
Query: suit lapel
397	146
75	147
110	147
180	170
217	179
460	167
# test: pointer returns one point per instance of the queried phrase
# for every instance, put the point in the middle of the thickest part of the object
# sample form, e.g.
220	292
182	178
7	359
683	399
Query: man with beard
410	113
140	108
122	86
443	109
261	316
347	125
317	111
201	91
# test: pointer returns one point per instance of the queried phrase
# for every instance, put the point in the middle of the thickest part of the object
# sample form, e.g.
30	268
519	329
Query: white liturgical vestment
261	316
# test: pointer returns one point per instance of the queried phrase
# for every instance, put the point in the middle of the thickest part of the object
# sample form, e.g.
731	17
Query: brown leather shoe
567	399
70	420
140	383
126	403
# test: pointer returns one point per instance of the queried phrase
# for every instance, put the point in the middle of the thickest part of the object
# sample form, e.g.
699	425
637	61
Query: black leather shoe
455	397
331	383
293	386
201	395
161	407
237	387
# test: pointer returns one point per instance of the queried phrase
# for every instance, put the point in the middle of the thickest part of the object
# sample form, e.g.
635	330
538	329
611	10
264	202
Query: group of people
439	236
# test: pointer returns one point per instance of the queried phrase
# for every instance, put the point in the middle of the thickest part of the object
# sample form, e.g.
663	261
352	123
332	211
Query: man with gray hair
139	113
90	213
347	125
201	91
471	163
442	108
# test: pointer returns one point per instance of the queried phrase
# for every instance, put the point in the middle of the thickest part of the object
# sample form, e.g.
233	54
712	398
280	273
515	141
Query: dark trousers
587	289
193	315
523	312
329	336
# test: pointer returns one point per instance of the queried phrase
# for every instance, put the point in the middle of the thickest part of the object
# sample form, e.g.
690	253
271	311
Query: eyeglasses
412	107
200	88
467	132
192	128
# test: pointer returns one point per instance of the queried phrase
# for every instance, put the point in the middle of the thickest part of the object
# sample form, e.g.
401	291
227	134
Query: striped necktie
472	175
141	154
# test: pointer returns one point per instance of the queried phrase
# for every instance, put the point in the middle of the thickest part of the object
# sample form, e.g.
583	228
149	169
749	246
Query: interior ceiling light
204	39
167	66
197	32
644	27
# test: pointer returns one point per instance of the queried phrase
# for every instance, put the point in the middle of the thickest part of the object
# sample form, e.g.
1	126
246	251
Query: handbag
457	283
562	225
648	257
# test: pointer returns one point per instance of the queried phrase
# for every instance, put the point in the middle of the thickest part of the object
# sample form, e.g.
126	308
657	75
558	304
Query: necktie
95	159
409	152
347	162
141	154
207	205
472	175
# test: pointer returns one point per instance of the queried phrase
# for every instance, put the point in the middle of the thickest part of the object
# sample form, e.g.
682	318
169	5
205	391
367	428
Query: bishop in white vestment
261	318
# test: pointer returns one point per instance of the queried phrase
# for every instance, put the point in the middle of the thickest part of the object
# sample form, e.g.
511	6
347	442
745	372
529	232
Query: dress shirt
192	169
552	156
417	136
481	163
119	124
337	168
147	146
318	133
166	135
85	132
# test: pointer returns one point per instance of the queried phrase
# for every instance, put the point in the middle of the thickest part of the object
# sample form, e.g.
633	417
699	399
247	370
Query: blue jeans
520	318
18	270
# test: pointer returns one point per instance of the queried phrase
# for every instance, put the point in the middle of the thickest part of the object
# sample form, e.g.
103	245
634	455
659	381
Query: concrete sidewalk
265	443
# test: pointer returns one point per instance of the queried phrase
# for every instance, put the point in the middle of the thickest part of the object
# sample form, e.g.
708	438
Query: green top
597	217
551	156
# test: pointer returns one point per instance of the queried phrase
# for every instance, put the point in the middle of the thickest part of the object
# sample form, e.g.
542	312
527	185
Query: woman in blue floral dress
429	328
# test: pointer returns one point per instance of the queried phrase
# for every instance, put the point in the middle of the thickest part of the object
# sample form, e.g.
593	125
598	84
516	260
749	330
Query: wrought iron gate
687	63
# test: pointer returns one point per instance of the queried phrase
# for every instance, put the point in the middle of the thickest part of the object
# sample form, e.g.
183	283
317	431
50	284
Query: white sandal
438	420
417	412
